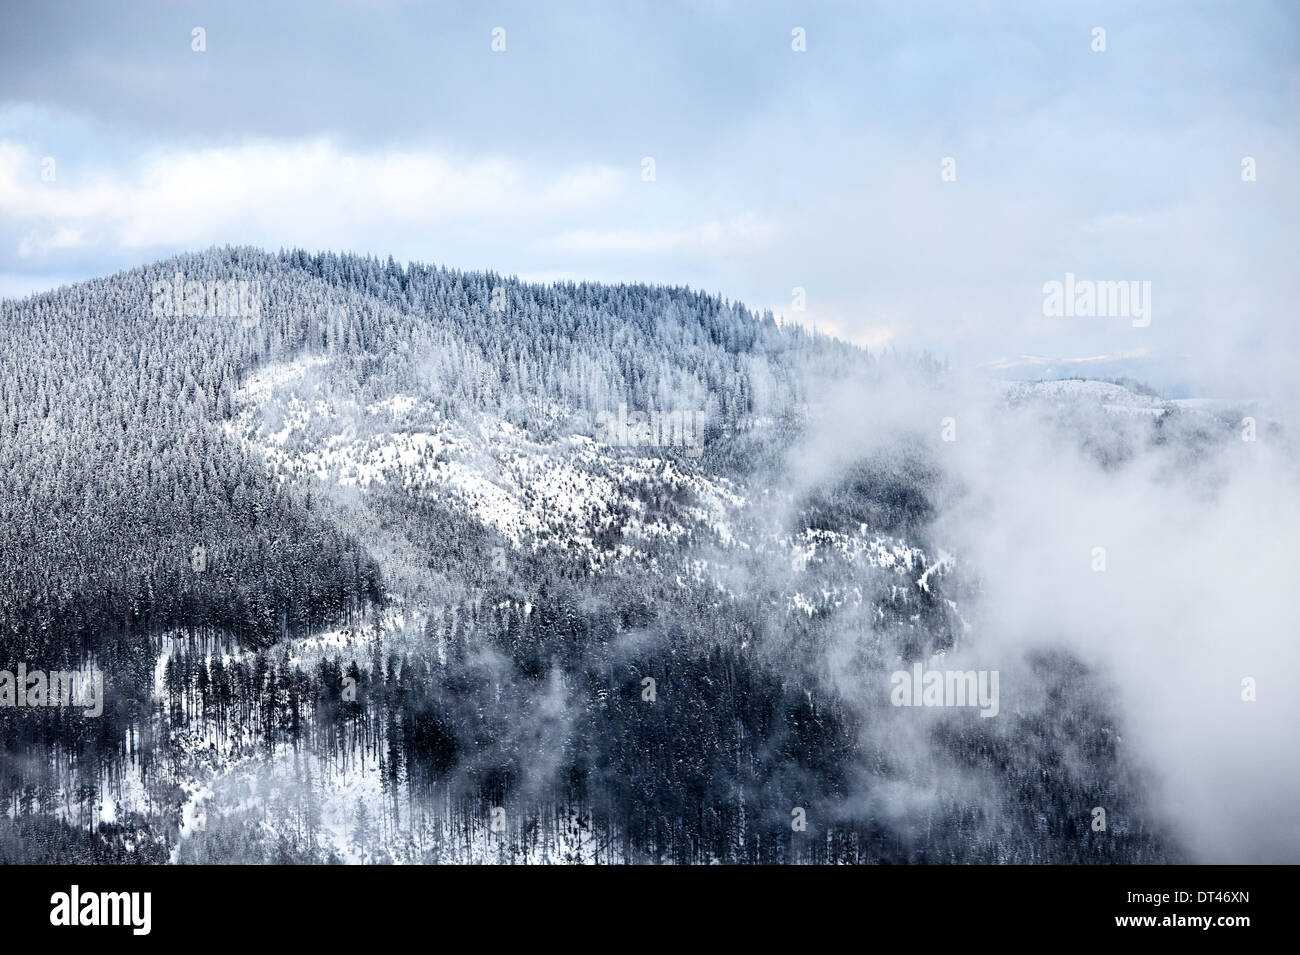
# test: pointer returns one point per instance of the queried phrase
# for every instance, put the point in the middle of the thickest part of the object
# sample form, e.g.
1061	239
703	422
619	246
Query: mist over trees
516	681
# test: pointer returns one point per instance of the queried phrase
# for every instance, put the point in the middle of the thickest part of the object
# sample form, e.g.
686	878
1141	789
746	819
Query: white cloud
859	332
279	193
745	233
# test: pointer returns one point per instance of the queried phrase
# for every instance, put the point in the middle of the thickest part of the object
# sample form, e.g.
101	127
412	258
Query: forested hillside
116	468
437	617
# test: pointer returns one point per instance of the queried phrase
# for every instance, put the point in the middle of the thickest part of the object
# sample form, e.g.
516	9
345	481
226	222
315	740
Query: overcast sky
395	128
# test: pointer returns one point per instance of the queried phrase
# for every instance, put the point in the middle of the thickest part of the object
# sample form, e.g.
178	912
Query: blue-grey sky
396	128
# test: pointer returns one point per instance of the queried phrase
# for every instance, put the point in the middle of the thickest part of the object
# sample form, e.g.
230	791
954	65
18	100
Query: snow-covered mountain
407	564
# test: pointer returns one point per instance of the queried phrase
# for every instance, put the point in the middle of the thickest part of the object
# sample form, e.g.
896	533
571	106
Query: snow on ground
569	488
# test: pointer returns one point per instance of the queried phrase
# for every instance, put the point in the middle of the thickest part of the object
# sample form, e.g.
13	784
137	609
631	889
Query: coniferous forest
366	584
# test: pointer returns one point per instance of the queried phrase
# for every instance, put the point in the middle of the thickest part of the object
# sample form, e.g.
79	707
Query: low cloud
1196	595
